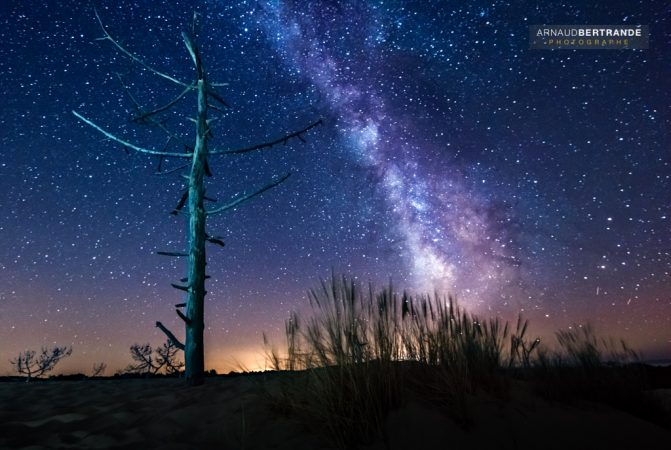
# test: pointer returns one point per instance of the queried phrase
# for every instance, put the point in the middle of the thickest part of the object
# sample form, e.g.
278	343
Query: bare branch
216	108
171	337
180	287
172	254
128	144
180	305
132	56
193	51
165	107
129	93
140	111
246	197
98	369
212	93
161	125
181	203
215	240
176	169
283	140
183	317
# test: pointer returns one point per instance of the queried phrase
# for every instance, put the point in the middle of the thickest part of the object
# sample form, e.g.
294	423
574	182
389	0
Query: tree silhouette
146	362
28	363
191	204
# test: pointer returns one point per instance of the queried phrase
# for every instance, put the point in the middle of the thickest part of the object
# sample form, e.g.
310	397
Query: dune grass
588	367
364	351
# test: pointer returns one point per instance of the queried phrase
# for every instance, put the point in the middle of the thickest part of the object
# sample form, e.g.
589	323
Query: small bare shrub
151	362
34	366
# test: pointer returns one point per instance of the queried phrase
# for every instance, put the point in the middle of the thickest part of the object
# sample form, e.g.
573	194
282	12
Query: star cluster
452	158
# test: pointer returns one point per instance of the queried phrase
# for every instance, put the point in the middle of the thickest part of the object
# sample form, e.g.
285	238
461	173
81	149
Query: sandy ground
235	413
225	413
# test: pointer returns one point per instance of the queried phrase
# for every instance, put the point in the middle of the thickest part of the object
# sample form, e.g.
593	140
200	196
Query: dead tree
198	155
144	361
166	358
34	367
151	362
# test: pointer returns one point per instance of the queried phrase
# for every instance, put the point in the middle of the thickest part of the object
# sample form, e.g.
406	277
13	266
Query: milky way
449	238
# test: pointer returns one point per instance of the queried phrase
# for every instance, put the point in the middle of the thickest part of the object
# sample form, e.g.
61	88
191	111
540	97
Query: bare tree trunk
195	304
193	317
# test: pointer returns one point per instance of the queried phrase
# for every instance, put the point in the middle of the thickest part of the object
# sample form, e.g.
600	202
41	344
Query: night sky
451	158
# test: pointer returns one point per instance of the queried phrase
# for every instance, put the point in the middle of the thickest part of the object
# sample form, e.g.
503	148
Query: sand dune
235	412
137	414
